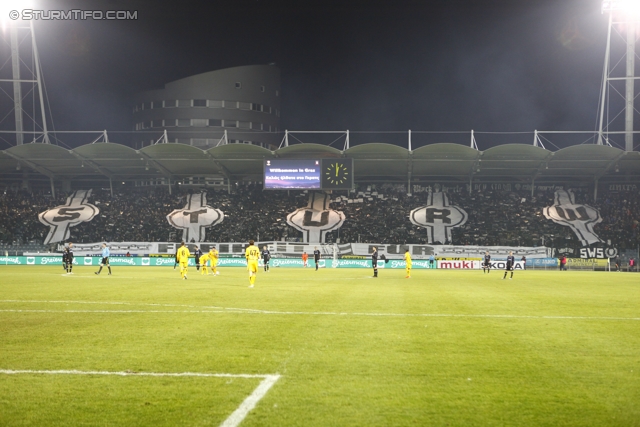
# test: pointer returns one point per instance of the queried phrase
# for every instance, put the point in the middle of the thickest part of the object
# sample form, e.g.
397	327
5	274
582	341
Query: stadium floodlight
628	7
11	11
627	14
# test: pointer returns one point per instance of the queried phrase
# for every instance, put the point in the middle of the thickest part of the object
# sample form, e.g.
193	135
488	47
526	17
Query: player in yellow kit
407	260
213	258
204	259
183	255
252	254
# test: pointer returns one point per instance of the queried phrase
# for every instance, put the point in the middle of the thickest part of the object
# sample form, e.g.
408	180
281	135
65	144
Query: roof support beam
164	171
43	171
226	172
544	165
409	172
475	168
92	164
611	164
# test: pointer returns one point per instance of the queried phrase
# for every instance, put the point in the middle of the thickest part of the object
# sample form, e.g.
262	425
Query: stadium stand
373	214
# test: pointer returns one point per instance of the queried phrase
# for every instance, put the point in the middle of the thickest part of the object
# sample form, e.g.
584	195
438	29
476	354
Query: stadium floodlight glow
627	17
11	11
627	7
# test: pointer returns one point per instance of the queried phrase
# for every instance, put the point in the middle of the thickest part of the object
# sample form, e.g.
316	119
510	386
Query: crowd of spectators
373	214
19	216
620	214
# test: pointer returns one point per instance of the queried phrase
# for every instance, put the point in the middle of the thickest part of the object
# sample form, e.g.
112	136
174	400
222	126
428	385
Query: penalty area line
233	420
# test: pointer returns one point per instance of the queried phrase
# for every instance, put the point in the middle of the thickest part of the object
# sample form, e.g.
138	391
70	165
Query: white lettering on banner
459	264
398	264
61	218
358	263
164	261
502	265
598	252
416	188
232	261
289	249
438	217
8	260
316	219
414	263
195	217
581	218
474	265
283	262
117	248
122	260
623	187
47	260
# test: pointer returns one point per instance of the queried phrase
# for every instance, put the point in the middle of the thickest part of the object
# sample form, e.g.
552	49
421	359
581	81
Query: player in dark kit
67	258
316	257
198	254
374	261
266	256
486	263
511	261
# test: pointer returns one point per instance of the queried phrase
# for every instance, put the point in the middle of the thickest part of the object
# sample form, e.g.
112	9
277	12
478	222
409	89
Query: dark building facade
233	105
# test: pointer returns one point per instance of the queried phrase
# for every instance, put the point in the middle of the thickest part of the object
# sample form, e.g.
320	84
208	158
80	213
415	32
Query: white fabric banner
195	217
438	217
61	218
316	219
580	218
289	249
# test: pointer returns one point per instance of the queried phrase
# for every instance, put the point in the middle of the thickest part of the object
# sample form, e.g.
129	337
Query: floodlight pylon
20	33
623	18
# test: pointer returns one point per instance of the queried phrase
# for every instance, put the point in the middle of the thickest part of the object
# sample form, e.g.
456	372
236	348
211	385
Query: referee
105	259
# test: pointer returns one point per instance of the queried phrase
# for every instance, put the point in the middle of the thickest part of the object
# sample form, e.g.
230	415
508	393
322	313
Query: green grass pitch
444	348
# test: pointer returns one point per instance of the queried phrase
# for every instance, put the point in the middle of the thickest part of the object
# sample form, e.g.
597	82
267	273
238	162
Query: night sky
502	66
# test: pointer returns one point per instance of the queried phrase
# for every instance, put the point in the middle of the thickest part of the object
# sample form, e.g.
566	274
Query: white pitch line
325	313
131	373
232	421
125	303
250	402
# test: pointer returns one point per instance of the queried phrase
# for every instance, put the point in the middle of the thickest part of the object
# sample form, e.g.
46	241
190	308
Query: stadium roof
373	162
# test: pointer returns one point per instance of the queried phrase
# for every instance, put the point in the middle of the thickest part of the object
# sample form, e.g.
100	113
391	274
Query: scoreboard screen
292	174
